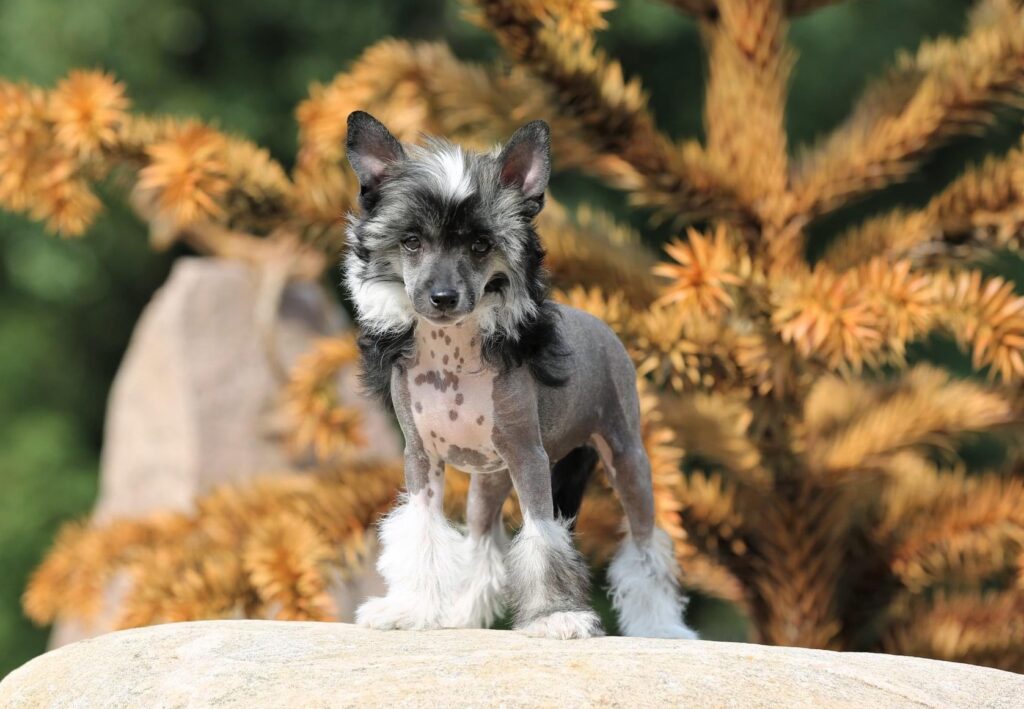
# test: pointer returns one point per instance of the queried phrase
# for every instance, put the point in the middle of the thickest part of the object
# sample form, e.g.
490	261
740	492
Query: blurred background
67	307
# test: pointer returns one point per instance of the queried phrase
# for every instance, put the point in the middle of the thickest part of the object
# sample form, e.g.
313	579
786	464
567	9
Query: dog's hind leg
644	573
481	596
569	478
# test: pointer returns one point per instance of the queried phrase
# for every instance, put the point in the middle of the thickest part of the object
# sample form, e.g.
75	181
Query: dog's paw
473	611
565	625
481	599
395	613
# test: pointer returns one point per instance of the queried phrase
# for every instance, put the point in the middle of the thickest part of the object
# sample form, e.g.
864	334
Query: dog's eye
411	243
480	247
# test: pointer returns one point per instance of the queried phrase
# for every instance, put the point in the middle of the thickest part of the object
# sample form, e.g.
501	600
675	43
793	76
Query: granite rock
250	664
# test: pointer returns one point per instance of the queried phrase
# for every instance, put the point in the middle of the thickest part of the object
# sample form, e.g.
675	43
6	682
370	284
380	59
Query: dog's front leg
422	556
548	579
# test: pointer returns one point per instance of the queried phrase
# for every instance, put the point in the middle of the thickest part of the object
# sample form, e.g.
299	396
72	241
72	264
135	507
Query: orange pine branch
708	8
750	62
270	548
987	317
311	400
713	547
981	211
714	428
612	113
850	426
966	531
976	627
798	562
948	88
589	248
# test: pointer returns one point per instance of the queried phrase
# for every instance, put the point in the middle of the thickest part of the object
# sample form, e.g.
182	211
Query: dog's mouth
497	284
441	320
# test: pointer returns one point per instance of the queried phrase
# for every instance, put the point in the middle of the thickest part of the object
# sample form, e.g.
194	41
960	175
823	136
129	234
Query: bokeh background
67	307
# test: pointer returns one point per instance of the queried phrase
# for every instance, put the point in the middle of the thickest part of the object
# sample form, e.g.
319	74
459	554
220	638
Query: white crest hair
445	163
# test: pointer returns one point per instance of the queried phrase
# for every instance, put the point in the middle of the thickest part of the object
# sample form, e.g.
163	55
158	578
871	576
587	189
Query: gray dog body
486	374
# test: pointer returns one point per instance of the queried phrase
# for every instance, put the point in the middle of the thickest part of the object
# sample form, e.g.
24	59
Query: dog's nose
444	298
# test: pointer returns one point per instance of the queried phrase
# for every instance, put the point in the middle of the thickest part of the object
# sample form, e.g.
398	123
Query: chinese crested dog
485	373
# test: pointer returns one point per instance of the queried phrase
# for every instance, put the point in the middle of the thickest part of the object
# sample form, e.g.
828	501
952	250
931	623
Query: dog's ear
525	162
371	149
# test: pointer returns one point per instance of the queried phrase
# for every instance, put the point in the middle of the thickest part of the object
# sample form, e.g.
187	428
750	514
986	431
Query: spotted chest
451	393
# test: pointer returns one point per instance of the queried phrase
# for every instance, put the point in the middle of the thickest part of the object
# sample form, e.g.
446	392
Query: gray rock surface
194	402
251	664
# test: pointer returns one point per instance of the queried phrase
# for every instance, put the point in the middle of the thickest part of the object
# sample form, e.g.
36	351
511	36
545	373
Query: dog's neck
454	348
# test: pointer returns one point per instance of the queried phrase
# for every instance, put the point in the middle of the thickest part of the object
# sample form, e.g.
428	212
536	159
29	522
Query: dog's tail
569	478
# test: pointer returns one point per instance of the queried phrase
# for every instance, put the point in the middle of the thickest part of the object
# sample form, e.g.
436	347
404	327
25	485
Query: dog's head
446	233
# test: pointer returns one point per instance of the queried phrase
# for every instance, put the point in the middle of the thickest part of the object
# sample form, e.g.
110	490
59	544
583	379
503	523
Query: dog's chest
451	393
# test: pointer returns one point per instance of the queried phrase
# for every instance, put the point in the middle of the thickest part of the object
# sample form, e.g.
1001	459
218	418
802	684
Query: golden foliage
715	427
849	426
987	316
311	399
979	212
803	468
707	7
749	64
37	174
948	88
186	174
983	629
702	271
828	316
903	301
590	90
962	531
271	548
591	247
88	108
676	347
53	144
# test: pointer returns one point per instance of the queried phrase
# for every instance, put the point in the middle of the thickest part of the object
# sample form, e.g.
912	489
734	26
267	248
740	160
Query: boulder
251	664
194	402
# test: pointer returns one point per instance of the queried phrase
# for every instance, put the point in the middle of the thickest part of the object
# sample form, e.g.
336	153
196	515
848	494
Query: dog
483	372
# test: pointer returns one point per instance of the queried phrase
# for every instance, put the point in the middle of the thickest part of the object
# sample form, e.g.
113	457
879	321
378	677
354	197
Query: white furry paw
474	609
480	601
565	625
394	613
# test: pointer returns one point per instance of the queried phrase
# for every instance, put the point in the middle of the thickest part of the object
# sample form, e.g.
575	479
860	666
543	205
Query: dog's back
599	396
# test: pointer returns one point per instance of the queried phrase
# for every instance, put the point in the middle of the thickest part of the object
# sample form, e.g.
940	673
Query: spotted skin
451	390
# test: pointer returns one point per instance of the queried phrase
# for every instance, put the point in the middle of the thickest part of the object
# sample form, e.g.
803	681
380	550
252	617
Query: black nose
444	298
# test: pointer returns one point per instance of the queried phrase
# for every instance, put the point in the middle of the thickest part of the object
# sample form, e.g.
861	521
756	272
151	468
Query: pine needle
947	88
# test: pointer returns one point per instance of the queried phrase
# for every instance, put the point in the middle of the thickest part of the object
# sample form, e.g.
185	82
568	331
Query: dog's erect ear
370	148
526	160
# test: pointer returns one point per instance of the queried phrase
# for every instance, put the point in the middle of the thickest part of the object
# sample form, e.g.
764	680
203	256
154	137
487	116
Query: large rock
250	664
194	402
